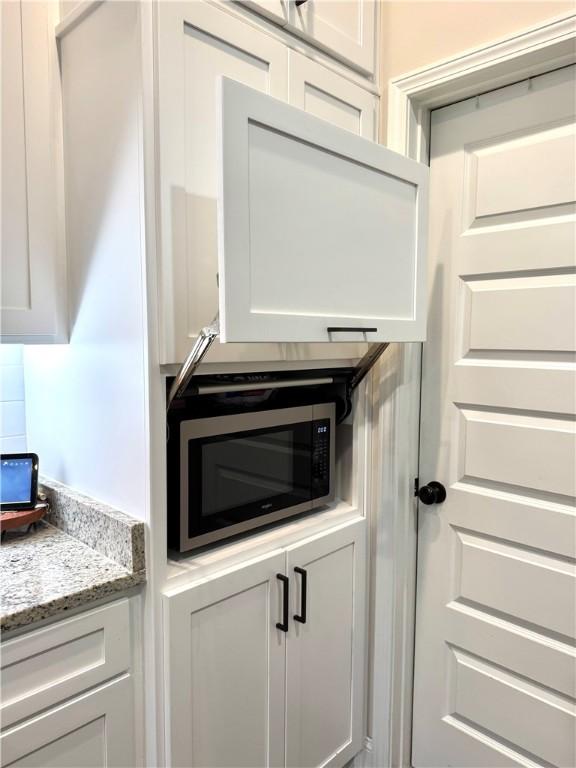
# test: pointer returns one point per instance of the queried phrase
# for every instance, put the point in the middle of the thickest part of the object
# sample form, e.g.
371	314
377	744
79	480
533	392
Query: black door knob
433	493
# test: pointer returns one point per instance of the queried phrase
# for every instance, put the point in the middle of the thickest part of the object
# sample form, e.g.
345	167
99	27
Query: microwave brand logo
266	506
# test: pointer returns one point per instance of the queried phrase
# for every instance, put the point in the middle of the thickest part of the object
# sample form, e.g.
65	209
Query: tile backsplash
12	408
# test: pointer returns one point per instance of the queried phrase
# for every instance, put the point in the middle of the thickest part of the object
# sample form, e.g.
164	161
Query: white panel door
325	654
95	730
198	43
225	667
325	94
32	297
321	231
345	27
495	673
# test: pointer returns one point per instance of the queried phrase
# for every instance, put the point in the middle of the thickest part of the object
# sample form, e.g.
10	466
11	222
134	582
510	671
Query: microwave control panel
320	457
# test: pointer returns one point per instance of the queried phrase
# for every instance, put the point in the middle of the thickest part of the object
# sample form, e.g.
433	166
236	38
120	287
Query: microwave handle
283	625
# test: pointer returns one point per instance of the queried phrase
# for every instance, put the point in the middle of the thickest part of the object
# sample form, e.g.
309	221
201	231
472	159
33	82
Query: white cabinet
321	232
91	731
32	274
328	228
325	94
225	670
346	28
67	693
325	654
197	43
241	691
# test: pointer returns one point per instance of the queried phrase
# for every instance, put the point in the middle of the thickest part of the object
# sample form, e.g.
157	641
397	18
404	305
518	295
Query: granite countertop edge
85	551
57	608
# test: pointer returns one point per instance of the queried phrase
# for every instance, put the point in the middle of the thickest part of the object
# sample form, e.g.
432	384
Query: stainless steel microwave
239	472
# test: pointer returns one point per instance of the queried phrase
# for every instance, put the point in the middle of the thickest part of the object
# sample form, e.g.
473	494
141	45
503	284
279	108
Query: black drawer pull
283	625
350	329
303	596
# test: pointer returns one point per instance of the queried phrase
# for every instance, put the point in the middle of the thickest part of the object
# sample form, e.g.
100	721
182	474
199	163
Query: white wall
86	400
12	409
415	34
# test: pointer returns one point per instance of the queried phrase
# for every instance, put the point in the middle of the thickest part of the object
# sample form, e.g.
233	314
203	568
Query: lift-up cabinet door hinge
321	234
209	334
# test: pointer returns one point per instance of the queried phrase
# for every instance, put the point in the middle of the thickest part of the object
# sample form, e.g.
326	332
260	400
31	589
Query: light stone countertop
86	552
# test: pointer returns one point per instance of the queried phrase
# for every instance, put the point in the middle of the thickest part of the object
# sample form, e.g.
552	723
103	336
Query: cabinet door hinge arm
366	364
210	333
205	339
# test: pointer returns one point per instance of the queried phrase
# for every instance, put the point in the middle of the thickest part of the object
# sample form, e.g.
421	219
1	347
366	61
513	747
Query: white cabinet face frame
318	229
322	92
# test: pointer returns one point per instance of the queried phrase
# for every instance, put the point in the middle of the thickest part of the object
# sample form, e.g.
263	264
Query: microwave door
247	475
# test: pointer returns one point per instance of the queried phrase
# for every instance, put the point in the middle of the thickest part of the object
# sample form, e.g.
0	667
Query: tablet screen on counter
18	480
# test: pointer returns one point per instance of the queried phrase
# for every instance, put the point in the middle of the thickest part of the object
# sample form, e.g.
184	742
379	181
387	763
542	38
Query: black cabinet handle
283	625
303	596
350	329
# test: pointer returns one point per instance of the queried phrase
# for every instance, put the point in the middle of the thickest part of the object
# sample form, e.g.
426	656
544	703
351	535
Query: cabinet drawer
94	730
54	663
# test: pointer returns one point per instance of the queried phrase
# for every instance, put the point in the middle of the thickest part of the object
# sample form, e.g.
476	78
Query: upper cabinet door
320	230
323	93
197	43
32	277
346	28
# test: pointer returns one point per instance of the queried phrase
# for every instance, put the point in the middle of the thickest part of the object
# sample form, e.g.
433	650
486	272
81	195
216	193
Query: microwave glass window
247	470
243	475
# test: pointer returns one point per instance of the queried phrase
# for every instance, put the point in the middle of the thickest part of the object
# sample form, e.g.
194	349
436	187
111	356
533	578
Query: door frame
411	97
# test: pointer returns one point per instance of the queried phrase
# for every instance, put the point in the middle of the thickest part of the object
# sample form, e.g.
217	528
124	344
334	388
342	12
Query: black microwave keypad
320	457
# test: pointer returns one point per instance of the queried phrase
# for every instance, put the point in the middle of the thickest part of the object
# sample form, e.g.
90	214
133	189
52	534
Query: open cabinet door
319	229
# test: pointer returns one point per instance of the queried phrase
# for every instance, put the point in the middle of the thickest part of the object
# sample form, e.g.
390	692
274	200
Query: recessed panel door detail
226	664
321	92
32	295
495	671
321	231
325	650
95	730
346	27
